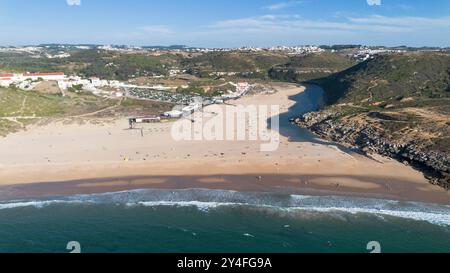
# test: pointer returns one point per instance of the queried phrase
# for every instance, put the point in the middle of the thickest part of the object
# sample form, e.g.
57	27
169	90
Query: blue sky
226	23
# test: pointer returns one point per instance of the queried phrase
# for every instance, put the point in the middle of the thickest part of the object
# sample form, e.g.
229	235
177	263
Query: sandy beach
69	158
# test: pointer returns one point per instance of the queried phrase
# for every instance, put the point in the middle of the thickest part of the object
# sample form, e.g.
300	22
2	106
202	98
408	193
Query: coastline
61	159
231	219
278	184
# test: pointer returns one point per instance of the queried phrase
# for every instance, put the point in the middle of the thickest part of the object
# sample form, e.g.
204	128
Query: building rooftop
44	74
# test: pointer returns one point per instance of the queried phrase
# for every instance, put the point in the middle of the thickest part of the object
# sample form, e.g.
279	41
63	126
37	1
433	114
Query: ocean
199	220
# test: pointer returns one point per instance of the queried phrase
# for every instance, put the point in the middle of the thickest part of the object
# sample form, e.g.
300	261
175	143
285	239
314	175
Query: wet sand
283	184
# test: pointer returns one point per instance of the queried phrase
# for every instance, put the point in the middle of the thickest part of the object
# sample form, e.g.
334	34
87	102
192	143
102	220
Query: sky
226	23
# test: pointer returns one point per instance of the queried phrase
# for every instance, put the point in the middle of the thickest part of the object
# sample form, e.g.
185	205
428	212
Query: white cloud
269	23
283	5
73	2
403	21
270	29
374	2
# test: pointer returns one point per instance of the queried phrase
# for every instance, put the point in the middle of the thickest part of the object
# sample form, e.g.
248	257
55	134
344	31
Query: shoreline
60	158
380	187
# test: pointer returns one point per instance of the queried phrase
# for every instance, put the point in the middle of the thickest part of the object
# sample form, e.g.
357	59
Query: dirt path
426	113
99	111
22	107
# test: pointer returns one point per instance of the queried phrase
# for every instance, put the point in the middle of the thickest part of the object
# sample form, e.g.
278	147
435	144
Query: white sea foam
203	206
36	204
434	218
284	203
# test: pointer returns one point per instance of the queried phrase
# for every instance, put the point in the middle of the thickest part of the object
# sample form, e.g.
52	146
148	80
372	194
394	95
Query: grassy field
19	108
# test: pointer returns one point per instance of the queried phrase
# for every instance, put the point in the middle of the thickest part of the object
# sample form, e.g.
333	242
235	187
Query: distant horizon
202	47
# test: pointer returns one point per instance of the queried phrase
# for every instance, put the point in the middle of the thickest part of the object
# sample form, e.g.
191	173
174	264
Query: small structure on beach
133	121
173	114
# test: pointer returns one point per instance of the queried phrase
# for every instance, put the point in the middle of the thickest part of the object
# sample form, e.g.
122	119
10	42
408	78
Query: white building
50	76
173	114
6	79
27	80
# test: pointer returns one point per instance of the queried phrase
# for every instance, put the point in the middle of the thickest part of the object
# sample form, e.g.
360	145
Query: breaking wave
208	200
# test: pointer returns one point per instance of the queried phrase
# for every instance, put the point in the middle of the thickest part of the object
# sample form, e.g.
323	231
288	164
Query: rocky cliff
370	139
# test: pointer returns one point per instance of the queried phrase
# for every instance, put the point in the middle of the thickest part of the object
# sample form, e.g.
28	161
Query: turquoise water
221	221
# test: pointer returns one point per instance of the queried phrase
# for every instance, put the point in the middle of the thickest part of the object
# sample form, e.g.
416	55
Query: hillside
19	108
395	105
257	63
21	62
390	78
310	66
107	65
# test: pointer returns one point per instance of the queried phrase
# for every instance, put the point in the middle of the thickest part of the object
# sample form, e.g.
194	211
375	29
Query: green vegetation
232	65
7	126
245	64
21	62
311	66
16	102
406	97
19	107
193	89
123	67
391	79
92	63
76	88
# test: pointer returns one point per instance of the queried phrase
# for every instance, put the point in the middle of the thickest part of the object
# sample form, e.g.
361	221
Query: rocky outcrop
434	165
